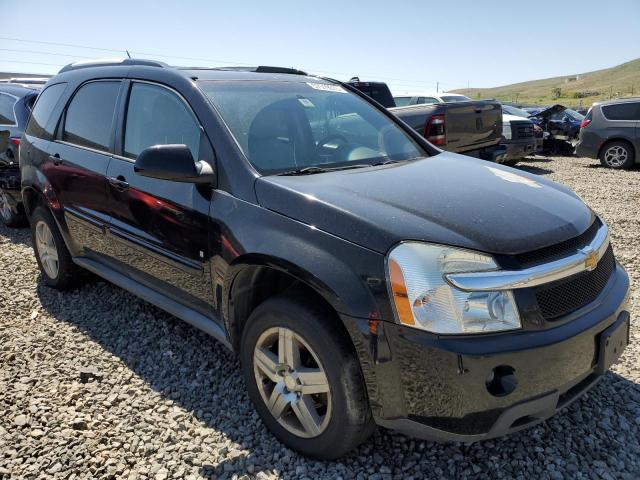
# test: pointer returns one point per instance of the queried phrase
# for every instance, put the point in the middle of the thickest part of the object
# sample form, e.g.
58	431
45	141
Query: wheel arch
252	279
626	140
32	198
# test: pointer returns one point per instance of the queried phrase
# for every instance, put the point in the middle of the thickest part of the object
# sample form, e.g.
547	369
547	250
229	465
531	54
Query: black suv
16	102
364	276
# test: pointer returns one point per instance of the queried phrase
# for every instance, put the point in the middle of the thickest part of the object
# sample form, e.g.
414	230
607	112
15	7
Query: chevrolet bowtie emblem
591	261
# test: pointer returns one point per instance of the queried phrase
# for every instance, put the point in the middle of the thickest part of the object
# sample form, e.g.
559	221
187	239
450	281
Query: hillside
575	90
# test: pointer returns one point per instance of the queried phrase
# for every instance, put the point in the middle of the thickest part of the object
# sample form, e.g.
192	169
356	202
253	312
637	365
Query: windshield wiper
315	169
389	162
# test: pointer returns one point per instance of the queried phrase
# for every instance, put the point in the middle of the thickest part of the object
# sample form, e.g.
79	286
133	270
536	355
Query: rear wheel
7	213
54	260
618	154
304	378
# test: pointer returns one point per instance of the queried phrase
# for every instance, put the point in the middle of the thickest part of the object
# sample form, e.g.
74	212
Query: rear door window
7	115
622	111
89	117
45	103
158	116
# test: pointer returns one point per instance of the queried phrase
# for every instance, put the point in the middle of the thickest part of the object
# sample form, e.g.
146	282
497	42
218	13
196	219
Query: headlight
423	298
506	131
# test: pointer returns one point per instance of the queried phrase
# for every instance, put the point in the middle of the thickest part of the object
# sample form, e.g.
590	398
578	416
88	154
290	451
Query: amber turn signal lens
400	296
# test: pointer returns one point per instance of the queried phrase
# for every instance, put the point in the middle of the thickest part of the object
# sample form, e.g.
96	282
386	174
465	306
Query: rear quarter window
622	111
42	110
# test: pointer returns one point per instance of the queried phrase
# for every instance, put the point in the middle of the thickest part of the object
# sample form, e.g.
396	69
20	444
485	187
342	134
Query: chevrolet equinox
364	276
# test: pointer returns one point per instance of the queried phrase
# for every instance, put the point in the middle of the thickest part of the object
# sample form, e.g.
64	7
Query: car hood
448	199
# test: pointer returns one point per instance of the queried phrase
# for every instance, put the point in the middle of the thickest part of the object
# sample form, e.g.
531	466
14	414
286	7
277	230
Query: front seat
280	137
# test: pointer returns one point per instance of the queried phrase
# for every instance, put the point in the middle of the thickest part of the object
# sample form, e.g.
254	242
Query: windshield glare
574	115
284	126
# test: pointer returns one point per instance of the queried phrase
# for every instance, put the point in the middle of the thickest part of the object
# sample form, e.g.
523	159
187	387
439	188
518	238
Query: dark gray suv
611	132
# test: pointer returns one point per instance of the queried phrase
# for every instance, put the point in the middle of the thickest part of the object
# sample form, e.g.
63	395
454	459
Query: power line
33	63
43	53
398	81
58	44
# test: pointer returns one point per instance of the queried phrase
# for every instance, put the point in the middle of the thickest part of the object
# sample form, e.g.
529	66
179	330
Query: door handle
57	161
119	183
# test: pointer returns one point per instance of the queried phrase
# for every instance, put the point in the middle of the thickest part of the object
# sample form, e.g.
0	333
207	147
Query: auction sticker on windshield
327	88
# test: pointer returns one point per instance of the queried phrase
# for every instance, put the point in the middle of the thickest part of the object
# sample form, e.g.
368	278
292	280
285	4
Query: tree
556	92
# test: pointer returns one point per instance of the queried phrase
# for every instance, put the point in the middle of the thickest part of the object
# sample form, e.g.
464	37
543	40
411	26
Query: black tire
8	215
68	273
617	155
350	422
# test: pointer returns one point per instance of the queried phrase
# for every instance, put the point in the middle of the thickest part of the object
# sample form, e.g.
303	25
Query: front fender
349	277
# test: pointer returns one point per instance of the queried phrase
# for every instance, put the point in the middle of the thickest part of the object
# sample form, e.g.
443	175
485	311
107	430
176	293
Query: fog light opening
501	381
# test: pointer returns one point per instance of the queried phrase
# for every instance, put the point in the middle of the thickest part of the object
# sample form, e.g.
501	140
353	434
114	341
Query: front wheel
304	378
618	155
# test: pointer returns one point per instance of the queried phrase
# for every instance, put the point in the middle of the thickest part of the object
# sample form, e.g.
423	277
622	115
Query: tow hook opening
501	381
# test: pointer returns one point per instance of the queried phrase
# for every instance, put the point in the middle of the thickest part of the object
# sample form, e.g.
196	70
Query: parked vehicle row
467	127
364	276
519	135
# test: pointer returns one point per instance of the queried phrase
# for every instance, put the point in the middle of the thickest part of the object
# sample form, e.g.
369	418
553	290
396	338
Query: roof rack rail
259	69
26	80
108	62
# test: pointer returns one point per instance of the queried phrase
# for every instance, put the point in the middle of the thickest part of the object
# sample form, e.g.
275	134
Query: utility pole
437	87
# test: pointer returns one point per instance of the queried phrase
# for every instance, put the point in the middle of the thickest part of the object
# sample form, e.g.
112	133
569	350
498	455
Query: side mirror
174	163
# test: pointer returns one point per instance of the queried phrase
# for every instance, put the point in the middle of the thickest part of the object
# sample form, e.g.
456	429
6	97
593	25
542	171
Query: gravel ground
98	384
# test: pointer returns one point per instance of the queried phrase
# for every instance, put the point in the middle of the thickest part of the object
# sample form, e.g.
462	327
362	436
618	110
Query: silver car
611	132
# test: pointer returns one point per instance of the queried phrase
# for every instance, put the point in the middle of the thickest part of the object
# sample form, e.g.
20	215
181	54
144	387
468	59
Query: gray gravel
98	384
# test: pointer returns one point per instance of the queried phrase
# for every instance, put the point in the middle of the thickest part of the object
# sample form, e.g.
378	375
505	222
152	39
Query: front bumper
440	387
518	149
494	153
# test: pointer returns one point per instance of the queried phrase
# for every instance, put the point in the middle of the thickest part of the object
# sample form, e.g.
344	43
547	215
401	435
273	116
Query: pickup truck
472	128
518	134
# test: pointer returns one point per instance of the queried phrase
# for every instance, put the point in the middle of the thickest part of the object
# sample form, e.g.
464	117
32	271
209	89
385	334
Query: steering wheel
333	136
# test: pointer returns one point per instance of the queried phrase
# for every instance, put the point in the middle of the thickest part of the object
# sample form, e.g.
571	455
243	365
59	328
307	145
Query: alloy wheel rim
47	250
292	382
5	207
615	156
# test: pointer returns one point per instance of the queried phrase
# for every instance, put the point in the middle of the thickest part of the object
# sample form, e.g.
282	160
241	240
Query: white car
428	98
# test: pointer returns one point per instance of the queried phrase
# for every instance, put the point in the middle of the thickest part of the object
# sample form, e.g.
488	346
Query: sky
414	46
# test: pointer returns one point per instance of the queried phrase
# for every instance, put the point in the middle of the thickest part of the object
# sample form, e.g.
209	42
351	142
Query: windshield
285	126
509	110
454	98
574	115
